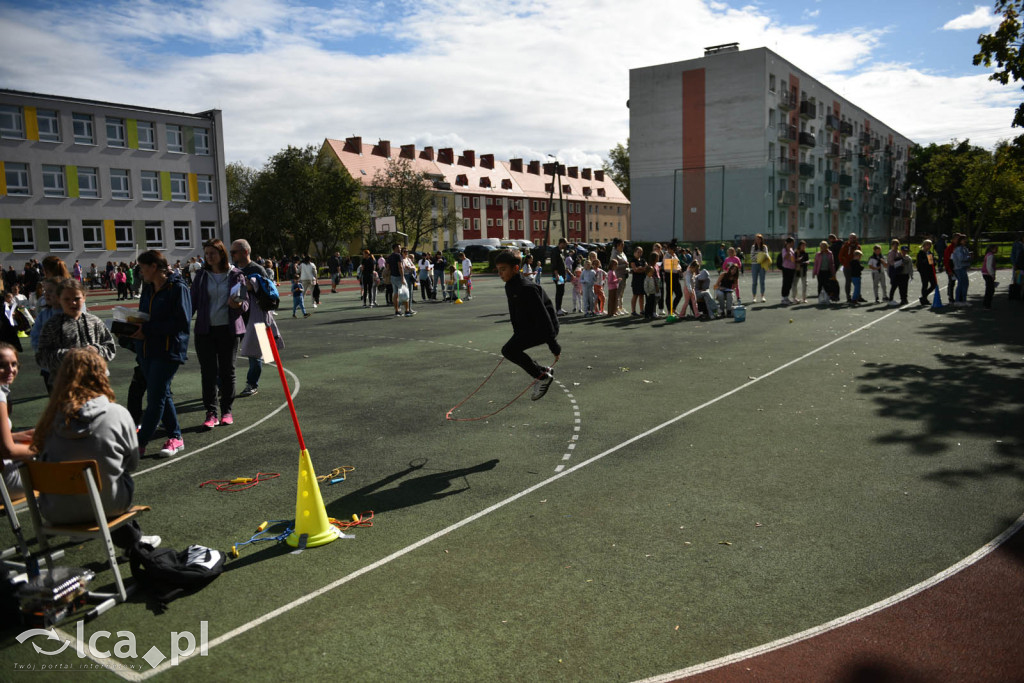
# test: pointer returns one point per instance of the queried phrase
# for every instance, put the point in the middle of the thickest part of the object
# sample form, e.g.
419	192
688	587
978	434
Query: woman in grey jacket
72	328
82	422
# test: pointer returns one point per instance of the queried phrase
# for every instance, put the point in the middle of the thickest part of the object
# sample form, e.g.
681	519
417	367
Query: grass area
597	534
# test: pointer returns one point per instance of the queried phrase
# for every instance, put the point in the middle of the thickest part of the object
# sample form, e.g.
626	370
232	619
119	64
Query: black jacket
530	310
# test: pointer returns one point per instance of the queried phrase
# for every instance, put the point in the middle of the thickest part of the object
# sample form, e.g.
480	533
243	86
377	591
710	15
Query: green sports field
683	492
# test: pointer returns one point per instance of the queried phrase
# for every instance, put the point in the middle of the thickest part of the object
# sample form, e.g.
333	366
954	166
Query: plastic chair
77	477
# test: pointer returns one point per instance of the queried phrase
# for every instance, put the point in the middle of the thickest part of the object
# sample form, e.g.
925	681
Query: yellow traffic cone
310	515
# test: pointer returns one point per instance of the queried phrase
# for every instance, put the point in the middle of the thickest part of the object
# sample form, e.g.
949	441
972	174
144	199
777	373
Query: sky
516	78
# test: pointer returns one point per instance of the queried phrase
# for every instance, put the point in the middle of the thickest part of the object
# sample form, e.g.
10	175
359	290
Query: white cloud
981	18
523	78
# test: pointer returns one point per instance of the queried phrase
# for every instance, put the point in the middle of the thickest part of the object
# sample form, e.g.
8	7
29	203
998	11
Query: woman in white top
307	275
425	268
15	447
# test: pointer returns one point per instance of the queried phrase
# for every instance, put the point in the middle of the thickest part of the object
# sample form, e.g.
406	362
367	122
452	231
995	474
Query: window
490	201
771	118
92	235
202	140
498	201
154	234
175	140
497	222
124	235
49	125
535	205
490	222
771	82
150	185
476	223
119	187
204	185
543	206
17	178
179	187
182	234
115	132
53	181
82	125
207	231
536	224
465	224
60	235
22	238
476	202
147	135
88	183
12	122
465	202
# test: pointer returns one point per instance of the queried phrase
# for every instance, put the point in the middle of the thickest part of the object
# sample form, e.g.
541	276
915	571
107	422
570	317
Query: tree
1004	48
617	166
240	179
401	191
303	202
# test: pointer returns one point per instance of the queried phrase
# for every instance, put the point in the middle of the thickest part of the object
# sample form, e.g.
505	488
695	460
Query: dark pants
515	351
136	390
899	281
950	284
559	295
990	289
425	292
159	401
787	281
849	283
217	351
650	306
928	286
677	290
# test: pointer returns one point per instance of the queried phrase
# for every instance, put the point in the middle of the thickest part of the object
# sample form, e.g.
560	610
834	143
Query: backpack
166	574
267	296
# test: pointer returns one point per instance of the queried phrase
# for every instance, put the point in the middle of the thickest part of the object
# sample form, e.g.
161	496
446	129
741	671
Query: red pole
284	383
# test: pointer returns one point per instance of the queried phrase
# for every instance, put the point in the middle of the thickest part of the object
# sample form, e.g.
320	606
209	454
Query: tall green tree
304	203
401	191
240	179
1004	48
617	166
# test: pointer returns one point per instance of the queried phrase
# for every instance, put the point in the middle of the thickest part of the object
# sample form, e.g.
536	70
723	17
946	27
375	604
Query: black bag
167	574
1015	292
832	287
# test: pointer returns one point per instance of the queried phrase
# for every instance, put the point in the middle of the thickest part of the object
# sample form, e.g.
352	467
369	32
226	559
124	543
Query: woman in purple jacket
218	301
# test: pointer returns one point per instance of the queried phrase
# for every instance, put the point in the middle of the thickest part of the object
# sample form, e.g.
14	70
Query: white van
492	242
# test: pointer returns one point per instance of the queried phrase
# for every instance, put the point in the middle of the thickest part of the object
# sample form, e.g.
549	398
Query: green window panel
42	234
72	174
6	241
140	234
132	126
165	185
190	139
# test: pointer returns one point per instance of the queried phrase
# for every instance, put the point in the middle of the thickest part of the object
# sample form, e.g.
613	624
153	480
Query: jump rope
448	415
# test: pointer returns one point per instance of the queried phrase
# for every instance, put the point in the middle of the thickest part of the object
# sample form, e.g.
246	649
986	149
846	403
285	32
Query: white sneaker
541	387
151	541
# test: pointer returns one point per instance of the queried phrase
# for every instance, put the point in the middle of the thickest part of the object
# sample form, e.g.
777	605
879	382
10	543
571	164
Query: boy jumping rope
533	322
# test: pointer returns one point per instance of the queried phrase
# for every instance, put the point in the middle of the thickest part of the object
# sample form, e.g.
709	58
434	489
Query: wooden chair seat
92	529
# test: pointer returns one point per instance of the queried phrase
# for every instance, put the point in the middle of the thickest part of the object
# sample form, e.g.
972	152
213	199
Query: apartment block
503	199
740	142
97	181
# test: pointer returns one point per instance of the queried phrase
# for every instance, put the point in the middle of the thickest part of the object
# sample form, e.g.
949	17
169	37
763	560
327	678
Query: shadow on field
410	492
968	395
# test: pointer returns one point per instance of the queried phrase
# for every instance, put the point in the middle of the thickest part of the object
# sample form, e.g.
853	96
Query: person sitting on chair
82	422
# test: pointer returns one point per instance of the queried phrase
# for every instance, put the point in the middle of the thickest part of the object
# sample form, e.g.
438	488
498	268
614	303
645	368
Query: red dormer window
485	182
506	184
600	192
462	179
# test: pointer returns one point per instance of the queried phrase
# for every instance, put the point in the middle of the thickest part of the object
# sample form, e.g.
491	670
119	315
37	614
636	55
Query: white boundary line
845	619
283	609
232	435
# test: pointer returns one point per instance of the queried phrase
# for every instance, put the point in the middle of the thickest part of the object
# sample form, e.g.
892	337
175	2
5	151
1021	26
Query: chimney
574	172
549	168
599	175
354	145
446	155
516	165
586	174
383	149
534	167
427	153
487	160
468	158
408	152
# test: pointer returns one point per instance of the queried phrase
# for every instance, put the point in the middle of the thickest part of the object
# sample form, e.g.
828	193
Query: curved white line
232	435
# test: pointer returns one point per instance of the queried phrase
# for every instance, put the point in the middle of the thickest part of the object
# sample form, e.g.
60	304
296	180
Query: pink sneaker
226	419
211	420
172	447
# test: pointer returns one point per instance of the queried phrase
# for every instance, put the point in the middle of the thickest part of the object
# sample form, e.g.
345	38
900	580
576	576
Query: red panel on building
694	213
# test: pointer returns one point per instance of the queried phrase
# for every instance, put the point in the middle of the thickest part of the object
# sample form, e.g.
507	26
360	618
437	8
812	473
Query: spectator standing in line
618	263
638	270
824	267
560	274
877	266
845	256
926	269
961	262
424	268
219	303
437	283
396	266
988	272
788	264
334	270
758	271
250	346
467	275
367	281
673	270
162	348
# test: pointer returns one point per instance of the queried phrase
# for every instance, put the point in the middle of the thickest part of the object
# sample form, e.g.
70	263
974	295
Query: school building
504	199
97	181
742	141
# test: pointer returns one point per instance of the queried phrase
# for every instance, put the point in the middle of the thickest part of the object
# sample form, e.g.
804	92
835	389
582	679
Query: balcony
806	170
807	200
832	122
833	150
845	128
787	133
787	101
847	155
865	139
865	161
846	205
787	198
831	177
808	109
806	140
845	180
785	166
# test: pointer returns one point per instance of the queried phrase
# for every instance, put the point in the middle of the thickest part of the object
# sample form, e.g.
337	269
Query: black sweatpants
515	351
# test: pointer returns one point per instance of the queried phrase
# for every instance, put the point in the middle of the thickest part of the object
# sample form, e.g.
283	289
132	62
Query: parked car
479	253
